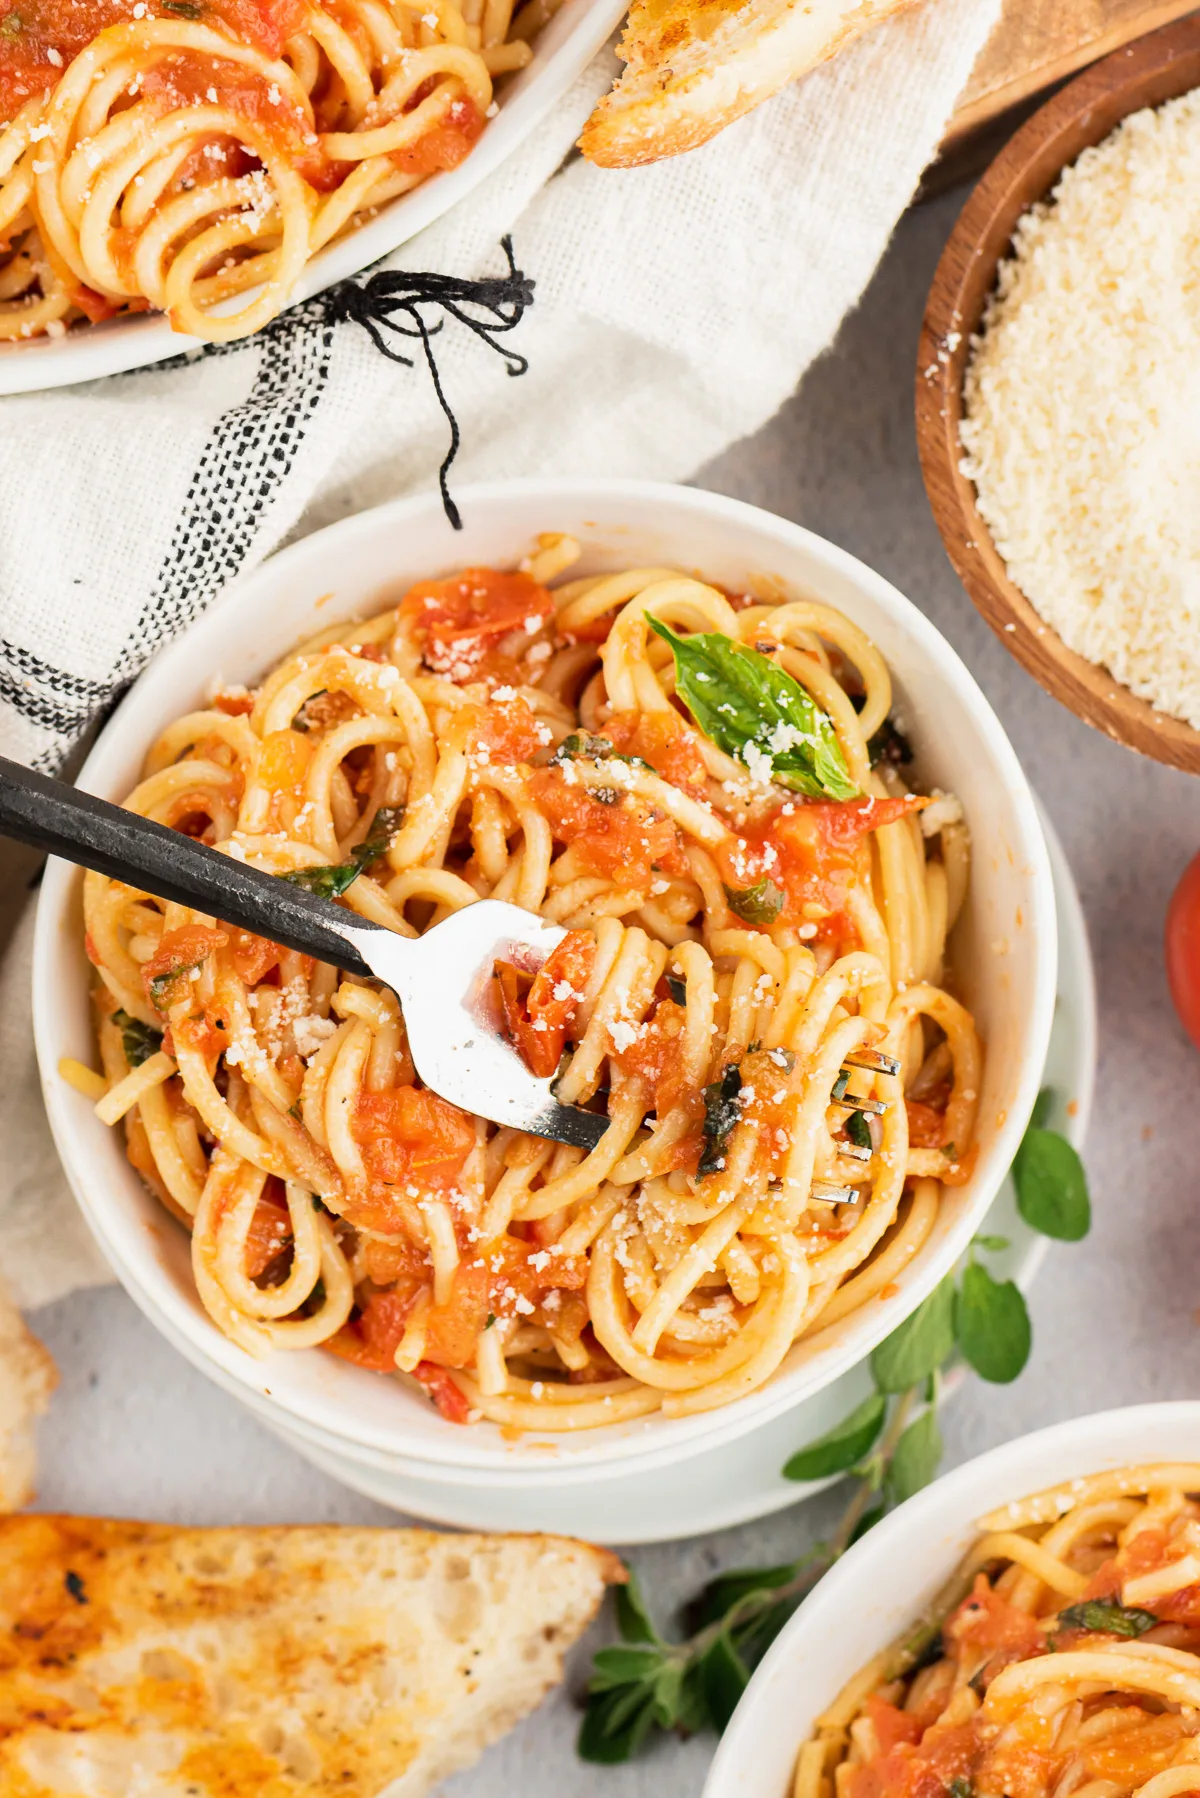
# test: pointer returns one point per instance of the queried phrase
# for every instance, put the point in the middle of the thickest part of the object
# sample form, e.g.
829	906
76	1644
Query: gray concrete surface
134	1430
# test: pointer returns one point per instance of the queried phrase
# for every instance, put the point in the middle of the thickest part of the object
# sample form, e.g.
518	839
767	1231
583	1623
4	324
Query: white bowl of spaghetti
741	1237
174	172
1032	1616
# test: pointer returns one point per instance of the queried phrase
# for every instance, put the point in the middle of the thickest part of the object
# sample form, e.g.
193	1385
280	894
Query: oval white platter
735	1482
563	50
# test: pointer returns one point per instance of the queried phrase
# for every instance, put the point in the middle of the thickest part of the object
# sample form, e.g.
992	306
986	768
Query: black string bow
489	307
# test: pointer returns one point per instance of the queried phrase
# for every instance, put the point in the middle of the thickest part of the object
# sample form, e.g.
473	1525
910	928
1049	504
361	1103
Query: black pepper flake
74	1585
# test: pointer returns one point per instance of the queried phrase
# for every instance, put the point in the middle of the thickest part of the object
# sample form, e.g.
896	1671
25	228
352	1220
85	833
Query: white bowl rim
877	1563
593	1453
140	340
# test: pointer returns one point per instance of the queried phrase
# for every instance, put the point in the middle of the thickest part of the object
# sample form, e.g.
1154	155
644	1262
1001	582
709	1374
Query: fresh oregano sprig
890	1444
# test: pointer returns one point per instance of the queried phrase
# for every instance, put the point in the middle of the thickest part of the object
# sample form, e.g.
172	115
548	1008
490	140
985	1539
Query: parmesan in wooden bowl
1058	396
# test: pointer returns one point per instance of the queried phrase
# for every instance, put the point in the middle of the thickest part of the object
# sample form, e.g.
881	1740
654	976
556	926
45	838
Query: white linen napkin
676	308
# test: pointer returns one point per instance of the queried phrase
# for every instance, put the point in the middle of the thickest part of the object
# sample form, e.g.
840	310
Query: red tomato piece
410	1134
269	1234
627	839
670	746
178	950
446	1394
460	619
539	1022
371	1339
253	957
892	1725
446	144
1182	943
812	850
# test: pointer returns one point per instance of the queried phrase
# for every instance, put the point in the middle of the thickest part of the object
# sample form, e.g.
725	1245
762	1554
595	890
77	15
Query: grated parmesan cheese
1082	400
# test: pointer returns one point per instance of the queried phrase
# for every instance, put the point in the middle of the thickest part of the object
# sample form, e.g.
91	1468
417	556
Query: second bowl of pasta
808	978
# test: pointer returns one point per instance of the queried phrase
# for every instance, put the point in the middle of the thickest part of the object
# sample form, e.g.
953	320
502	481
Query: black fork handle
48	814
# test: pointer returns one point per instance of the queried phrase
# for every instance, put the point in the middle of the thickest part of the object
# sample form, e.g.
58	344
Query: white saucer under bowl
735	1482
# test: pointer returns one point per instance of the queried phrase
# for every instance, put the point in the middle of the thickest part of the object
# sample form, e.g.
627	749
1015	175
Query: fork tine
874	1060
827	1193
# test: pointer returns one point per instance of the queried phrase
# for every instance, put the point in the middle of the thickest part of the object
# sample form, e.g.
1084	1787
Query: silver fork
442	979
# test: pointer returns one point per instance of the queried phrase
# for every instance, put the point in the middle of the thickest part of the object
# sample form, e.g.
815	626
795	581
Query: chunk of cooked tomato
539	1015
670	746
624	839
178	952
252	956
655	1059
892	1725
813	851
270	1231
371	1338
446	1394
445	144
985	1625
408	1133
926	1125
503	730
459	620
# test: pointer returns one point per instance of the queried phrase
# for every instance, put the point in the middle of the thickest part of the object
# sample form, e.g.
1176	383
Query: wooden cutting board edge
1025	56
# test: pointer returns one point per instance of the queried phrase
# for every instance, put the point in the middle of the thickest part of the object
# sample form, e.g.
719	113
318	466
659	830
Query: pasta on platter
1064	1659
707	791
174	154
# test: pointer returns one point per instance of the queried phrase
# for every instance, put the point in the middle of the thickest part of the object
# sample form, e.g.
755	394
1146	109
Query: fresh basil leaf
328	882
378	839
677	989
633	1618
915	1458
757	904
992	1245
743	701
161	984
890	745
138	1040
992	1325
858	1130
918	1346
615	1724
1106	1616
586	745
1052	1192
724	1676
728	1589
613	1667
722	1109
842	1447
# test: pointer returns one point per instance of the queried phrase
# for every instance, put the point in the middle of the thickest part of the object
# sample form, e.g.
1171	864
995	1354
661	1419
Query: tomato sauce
34	33
408	1136
663	740
538	1020
623	839
459	621
178	952
446	145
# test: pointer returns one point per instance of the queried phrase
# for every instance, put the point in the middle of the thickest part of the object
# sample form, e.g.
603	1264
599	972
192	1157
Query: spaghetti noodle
750	989
1065	1659
174	154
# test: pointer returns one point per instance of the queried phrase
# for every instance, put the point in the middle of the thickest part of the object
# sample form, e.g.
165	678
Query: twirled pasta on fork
707	790
174	154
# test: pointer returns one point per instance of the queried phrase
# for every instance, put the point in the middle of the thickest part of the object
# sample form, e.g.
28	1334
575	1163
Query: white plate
563	50
714	1489
887	1580
1006	939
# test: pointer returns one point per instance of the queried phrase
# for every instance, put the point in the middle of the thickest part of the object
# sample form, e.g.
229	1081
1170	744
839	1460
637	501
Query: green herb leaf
858	1130
916	1457
1105	1615
618	1666
741	699
328	882
1043	1105
961	1788
161	983
677	989
586	745
867	1521
378	840
724	1676
838	1090
1052	1193
992	1245
138	1040
842	1447
721	1112
183	9
615	1724
728	1589
633	1618
992	1325
757	904
918	1346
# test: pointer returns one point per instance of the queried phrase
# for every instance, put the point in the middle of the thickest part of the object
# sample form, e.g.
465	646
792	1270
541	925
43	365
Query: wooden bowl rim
1158	67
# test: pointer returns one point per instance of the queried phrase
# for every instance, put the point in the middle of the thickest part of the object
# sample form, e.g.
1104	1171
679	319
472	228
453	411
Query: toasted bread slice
139	1660
693	66
27	1378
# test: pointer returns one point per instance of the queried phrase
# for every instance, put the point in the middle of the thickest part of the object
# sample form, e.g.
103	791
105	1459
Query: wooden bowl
1146	73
